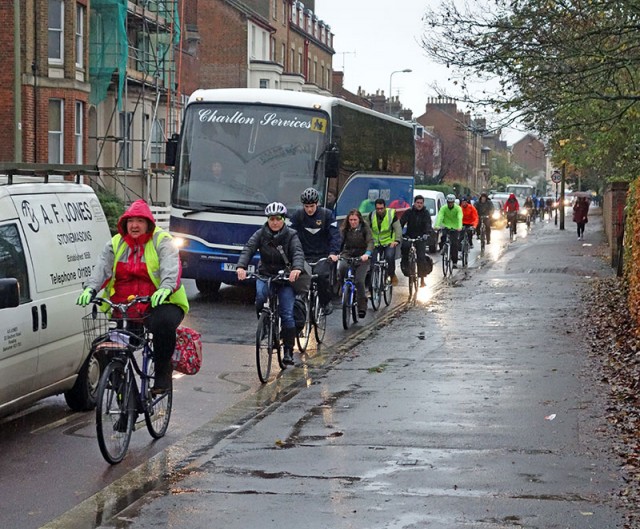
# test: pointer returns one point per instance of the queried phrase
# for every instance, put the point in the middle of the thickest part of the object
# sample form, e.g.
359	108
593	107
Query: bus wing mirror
332	162
172	150
9	293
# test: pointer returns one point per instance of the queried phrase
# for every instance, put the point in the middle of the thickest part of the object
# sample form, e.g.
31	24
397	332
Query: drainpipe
17	84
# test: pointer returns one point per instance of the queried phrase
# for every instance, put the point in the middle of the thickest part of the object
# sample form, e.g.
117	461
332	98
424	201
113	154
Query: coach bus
521	191
240	149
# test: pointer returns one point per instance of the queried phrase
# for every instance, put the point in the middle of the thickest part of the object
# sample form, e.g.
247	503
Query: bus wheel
207	286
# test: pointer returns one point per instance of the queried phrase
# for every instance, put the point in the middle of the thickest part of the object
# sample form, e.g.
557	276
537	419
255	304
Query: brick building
531	154
44	83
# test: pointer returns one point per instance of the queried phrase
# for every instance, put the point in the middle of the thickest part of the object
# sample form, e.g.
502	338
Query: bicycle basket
106	330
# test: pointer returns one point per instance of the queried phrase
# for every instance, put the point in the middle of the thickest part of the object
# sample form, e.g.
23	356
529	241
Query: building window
80	13
56	130
299	62
292	62
79	130
125	157
315	72
157	141
274	8
284	11
264	83
253	42
56	31
283	57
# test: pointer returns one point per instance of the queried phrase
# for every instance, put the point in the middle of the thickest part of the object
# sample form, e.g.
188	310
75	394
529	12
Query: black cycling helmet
310	196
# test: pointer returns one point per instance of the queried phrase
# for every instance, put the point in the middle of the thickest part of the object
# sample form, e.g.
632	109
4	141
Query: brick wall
222	52
6	84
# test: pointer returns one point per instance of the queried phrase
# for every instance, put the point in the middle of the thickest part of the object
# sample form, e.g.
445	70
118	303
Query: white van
51	234
433	201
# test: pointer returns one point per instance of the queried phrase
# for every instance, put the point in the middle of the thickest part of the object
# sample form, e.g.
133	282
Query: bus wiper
248	202
199	210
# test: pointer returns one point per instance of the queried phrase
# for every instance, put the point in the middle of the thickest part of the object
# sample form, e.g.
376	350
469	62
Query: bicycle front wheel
302	336
115	413
465	254
388	293
319	320
346	306
264	345
157	409
483	242
376	286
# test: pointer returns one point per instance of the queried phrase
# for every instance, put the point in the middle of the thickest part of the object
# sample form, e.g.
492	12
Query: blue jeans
286	298
389	257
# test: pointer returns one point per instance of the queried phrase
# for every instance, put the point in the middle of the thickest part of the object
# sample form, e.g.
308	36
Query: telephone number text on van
74	236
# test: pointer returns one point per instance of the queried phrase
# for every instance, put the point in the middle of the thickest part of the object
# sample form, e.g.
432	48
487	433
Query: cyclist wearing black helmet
319	235
279	249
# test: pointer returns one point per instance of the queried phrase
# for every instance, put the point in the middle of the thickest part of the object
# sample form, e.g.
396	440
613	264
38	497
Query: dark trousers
163	322
421	251
389	256
360	274
581	226
487	228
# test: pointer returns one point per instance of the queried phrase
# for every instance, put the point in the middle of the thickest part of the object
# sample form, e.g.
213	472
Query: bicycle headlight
496	215
524	211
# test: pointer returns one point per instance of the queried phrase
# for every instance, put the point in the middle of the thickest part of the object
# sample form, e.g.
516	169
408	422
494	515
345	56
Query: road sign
556	177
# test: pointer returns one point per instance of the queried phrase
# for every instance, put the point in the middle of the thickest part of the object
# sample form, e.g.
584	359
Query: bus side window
12	261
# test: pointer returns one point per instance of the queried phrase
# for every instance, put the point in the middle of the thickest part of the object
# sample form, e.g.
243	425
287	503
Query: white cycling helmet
451	197
310	196
275	208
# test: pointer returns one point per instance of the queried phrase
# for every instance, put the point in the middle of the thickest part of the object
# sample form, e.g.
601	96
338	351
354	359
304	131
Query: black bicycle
465	245
482	233
268	342
380	284
512	219
119	338
412	269
316	317
447	262
349	292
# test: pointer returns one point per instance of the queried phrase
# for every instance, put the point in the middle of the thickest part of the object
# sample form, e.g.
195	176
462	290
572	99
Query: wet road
46	445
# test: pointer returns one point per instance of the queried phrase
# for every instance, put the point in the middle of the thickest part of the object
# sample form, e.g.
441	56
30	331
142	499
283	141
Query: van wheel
207	286
82	396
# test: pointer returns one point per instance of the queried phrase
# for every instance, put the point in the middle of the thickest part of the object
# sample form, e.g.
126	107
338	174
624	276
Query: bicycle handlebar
122	307
280	276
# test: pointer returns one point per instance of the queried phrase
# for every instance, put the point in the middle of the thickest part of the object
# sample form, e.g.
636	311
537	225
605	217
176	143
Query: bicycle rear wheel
157	411
346	305
264	345
115	412
376	287
302	337
445	260
483	241
319	320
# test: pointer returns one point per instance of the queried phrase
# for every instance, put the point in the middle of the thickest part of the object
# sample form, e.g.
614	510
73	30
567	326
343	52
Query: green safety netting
109	46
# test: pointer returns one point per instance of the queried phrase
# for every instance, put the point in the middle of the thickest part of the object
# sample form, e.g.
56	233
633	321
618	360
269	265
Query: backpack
299	312
187	357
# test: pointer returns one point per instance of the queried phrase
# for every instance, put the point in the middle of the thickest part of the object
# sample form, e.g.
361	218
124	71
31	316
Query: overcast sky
374	38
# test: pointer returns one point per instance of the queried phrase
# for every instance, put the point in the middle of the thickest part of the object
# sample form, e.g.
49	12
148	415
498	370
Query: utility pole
344	53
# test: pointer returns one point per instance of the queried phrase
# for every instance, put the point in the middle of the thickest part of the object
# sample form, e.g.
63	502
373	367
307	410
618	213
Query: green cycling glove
86	297
159	296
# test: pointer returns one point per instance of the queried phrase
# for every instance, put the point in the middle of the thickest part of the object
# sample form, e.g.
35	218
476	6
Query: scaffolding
135	91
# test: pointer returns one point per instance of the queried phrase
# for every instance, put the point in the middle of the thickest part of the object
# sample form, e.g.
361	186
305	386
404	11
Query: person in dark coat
280	249
580	211
418	223
485	209
357	241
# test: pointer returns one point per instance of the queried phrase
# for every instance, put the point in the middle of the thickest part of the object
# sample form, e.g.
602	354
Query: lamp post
406	70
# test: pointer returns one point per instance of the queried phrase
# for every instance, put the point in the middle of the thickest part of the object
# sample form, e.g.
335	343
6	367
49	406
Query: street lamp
406	70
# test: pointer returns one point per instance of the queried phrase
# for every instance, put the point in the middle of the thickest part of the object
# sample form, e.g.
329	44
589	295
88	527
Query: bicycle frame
349	298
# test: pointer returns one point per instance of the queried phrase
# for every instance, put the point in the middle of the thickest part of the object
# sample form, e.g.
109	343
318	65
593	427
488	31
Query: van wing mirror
9	293
432	211
172	150
332	162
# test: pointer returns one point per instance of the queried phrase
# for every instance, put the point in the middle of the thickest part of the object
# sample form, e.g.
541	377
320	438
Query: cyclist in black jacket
320	237
418	223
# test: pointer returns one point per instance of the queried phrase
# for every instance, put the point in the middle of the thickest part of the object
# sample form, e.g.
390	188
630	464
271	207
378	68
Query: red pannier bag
187	358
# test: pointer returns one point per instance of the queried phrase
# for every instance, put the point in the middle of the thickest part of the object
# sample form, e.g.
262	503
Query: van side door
19	326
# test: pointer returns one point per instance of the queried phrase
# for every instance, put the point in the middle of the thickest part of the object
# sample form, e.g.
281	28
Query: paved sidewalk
476	410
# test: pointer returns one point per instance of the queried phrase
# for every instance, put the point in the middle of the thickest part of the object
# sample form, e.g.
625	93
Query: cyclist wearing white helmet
280	249
450	218
318	232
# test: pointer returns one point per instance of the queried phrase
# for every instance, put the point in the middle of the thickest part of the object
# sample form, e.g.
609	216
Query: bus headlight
524	211
179	242
496	215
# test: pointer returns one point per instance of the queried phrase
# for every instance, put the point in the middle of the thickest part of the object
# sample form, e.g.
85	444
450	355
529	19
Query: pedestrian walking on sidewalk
580	210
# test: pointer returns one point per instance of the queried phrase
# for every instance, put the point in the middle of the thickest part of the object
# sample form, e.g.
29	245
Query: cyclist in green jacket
450	218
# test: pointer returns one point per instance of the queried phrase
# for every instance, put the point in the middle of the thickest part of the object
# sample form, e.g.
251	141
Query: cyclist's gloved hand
87	296
160	296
